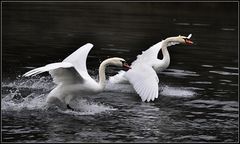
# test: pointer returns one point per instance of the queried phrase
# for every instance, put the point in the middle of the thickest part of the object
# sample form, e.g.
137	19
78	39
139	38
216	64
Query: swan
72	78
142	75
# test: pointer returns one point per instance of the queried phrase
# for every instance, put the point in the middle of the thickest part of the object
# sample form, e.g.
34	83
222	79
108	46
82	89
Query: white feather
71	75
145	81
189	36
79	58
118	78
148	57
48	68
72	70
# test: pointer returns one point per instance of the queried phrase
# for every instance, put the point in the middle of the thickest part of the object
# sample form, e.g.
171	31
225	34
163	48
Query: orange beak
125	65
188	42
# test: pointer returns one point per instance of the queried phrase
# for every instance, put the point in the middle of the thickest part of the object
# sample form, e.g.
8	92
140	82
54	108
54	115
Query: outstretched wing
145	81
62	72
148	56
78	59
72	70
118	78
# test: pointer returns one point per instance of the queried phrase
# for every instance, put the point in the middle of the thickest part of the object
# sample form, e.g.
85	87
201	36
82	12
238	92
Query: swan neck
102	74
170	39
165	53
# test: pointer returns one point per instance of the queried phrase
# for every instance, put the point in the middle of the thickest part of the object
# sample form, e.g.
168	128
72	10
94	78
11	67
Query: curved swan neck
165	53
102	74
170	39
166	57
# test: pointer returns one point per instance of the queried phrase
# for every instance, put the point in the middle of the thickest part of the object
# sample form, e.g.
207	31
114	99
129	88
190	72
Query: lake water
198	99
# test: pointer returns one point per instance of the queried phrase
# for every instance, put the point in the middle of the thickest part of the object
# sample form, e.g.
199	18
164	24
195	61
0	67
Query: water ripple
223	73
179	73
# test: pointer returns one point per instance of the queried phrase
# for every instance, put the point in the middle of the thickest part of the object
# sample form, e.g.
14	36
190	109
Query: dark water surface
198	99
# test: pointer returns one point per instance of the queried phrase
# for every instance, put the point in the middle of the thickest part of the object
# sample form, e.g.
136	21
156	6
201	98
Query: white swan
72	78
142	74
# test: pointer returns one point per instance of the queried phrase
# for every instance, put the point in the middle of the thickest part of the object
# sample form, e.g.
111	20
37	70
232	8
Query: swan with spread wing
142	75
72	78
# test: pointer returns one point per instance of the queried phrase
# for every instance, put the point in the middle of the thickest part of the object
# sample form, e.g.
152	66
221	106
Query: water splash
177	91
30	94
84	107
35	82
30	102
164	90
120	88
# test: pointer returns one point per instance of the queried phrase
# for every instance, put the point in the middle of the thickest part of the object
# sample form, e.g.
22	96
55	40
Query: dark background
41	32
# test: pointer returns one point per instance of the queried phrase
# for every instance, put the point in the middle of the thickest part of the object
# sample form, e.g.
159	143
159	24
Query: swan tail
118	78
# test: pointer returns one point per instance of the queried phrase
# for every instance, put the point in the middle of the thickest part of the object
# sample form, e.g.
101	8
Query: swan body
142	74
72	78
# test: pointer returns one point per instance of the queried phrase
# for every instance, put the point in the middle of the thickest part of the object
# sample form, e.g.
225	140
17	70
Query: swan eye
122	61
125	65
185	39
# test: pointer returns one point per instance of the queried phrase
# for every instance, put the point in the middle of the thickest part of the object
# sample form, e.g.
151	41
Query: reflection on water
179	73
198	93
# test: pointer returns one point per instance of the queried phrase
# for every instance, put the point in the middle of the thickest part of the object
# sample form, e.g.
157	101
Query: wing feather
79	58
47	68
62	72
148	56
145	82
71	70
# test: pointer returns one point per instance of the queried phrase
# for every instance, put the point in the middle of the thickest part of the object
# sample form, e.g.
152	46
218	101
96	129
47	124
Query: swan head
185	40
180	40
120	62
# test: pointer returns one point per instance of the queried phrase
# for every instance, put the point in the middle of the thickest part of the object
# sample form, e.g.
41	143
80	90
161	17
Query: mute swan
142	75
72	78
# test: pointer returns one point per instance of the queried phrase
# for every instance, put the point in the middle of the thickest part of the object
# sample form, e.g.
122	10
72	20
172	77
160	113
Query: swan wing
148	56
78	59
62	72
145	82
118	78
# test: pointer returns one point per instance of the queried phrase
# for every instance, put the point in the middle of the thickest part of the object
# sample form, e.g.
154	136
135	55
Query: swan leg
55	101
68	106
68	98
55	98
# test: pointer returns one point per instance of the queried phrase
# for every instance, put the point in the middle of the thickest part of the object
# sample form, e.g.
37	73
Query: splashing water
35	82
31	93
83	107
120	88
177	92
164	90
